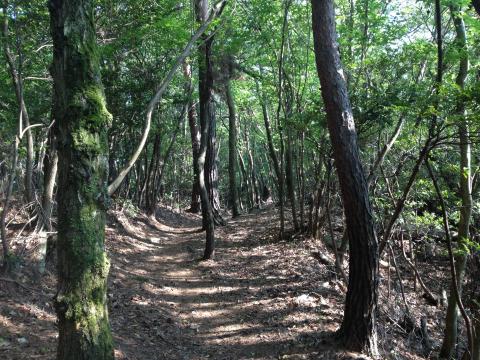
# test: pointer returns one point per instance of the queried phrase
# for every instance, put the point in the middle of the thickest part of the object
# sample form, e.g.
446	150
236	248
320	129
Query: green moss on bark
89	106
82	122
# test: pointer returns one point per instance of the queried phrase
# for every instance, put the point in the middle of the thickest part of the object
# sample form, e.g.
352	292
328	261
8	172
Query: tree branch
214	13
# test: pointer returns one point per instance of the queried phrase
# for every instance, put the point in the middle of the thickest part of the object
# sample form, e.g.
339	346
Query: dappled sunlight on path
260	299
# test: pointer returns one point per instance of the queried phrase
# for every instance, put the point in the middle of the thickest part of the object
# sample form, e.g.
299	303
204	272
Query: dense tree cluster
362	112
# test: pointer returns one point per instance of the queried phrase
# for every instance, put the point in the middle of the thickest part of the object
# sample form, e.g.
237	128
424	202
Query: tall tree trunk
301	178
149	180
81	129
144	173
254	192
232	148
451	323
246	181
45	211
207	113
50	176
281	178
358	329
289	177
274	158
195	137
205	79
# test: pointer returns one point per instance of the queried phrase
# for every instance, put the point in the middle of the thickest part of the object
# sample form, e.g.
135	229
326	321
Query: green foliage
389	54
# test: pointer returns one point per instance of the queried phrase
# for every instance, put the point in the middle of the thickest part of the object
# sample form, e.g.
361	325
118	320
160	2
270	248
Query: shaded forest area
240	179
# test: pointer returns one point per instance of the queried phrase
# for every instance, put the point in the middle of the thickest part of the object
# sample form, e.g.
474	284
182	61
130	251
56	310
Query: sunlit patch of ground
260	299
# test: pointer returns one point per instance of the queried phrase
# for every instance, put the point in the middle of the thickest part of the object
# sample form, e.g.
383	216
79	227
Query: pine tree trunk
358	329
81	129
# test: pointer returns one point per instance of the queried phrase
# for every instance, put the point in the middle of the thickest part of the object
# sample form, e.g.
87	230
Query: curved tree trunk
358	330
82	121
205	86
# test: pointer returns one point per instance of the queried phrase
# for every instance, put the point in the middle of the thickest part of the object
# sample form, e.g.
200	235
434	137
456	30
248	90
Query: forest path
259	299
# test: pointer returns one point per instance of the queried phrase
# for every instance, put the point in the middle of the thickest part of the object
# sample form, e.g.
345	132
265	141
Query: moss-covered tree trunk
81	129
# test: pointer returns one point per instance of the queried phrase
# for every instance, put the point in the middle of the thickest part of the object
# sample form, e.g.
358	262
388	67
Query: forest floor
260	299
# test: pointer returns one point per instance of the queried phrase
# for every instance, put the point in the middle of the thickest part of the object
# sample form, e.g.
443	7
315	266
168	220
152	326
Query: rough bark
206	108
358	329
211	161
82	120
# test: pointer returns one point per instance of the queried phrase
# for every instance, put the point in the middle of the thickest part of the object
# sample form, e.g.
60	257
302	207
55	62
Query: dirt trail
260	298
255	301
